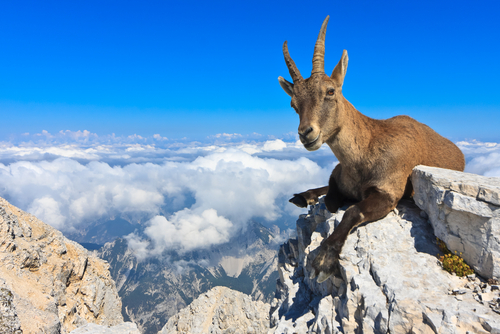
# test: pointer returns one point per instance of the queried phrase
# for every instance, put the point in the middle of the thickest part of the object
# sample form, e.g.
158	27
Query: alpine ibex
376	157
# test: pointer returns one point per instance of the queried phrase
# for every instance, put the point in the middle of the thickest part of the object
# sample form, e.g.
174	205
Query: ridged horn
319	50
292	68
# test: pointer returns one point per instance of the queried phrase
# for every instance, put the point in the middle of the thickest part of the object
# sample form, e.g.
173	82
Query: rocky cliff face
220	310
391	280
464	210
49	284
155	289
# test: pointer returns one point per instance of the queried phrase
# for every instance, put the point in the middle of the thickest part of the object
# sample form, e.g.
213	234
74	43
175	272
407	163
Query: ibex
376	157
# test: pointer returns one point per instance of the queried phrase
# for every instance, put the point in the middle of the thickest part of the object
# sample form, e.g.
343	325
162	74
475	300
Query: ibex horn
319	50
292	68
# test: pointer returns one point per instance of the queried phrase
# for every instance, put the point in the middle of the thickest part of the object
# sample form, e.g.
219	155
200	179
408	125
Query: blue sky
198	68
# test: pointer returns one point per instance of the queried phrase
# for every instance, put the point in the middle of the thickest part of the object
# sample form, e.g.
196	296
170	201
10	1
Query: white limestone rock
56	285
220	310
464	210
390	282
123	328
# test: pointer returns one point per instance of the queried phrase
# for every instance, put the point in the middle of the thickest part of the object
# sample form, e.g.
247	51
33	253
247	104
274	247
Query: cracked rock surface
390	281
51	284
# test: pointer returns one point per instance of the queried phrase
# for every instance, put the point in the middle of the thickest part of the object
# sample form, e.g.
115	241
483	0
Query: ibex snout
303	134
310	138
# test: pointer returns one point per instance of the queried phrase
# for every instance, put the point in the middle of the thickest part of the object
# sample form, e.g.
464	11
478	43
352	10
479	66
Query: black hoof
298	200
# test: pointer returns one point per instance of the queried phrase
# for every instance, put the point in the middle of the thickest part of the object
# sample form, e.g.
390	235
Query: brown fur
376	157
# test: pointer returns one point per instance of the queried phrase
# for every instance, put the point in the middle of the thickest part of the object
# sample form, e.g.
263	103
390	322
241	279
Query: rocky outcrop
220	310
390	281
55	286
464	210
9	321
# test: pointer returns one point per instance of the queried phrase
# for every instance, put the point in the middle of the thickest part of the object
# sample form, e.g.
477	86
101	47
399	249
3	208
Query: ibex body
376	157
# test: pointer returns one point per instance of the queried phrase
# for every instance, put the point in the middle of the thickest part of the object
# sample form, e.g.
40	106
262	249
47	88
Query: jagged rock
464	210
9	321
220	310
123	328
390	281
56	285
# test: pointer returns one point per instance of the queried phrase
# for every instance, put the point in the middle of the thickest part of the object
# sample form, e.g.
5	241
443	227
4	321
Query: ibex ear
287	86
339	71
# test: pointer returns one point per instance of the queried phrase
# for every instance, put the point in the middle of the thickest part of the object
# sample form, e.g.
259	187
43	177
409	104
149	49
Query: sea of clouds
185	195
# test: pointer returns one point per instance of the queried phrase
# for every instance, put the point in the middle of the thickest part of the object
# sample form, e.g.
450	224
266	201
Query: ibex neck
351	143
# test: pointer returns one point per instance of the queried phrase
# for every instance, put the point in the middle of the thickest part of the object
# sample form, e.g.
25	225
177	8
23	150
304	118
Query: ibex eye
330	91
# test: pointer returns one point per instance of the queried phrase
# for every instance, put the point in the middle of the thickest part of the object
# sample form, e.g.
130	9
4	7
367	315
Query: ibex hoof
325	264
321	277
298	200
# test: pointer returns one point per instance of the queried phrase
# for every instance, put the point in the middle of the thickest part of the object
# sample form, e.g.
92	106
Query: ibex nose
303	134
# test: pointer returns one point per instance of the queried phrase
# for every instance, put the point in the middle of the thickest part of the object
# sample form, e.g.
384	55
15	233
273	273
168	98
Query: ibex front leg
333	199
377	204
309	197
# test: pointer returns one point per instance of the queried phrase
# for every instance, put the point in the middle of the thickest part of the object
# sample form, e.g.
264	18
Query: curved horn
292	68
319	50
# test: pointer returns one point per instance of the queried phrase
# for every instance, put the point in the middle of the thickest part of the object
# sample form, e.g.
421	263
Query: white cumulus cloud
187	230
182	204
482	158
182	194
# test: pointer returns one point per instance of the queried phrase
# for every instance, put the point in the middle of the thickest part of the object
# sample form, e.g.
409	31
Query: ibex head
317	99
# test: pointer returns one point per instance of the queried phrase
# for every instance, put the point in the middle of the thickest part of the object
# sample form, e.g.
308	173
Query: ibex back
376	157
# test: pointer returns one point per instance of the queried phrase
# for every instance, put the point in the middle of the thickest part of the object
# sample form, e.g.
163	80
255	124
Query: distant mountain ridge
95	234
157	288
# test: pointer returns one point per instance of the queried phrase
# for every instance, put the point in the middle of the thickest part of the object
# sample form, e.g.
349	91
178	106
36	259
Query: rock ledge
390	282
464	210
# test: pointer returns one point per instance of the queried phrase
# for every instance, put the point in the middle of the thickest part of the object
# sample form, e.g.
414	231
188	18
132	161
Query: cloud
181	195
482	158
188	229
84	146
159	137
274	145
181	204
487	165
475	147
48	208
139	246
78	135
228	135
67	194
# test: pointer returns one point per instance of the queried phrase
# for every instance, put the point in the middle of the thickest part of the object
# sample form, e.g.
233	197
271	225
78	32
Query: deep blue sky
196	68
